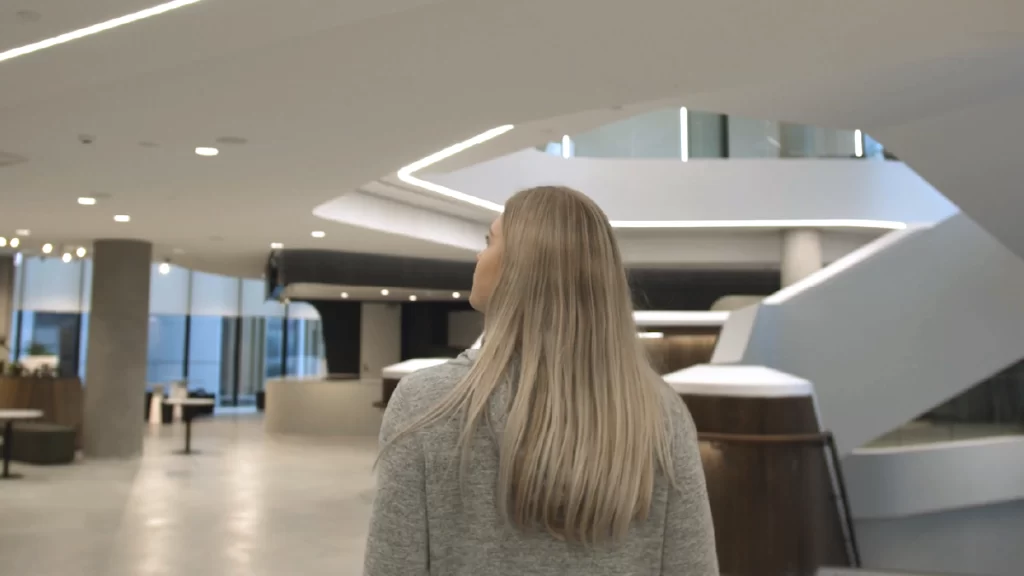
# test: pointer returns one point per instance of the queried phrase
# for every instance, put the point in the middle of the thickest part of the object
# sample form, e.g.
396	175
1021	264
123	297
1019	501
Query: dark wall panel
341	323
675	289
425	329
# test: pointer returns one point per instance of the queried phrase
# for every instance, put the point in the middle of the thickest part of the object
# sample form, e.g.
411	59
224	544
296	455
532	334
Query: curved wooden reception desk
60	399
775	504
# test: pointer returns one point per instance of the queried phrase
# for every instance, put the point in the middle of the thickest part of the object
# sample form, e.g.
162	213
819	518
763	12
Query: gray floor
246	505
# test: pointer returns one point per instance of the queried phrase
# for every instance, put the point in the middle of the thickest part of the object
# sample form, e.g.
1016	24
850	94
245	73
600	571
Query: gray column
115	377
801	254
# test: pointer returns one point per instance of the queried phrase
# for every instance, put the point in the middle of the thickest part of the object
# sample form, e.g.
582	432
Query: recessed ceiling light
80	252
385	292
178	251
47	248
86	200
66	257
94	29
3	241
15	242
412	298
23	232
165	268
318	234
344	294
122	218
456	295
207	151
276	245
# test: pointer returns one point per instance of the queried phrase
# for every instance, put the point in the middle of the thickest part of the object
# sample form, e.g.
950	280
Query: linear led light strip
407	175
94	29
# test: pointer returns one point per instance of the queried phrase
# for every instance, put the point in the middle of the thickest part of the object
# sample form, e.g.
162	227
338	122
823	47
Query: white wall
380	334
925	318
715	189
934	477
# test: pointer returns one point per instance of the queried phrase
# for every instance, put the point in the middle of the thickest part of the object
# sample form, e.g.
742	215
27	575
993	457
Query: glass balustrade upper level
684	134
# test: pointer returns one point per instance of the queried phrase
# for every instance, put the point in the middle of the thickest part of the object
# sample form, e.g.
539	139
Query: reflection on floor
921	432
246	505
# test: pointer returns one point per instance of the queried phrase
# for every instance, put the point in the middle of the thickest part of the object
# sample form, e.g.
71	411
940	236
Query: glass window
165	355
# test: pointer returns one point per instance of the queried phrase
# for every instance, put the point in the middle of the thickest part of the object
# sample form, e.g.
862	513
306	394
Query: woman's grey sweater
425	523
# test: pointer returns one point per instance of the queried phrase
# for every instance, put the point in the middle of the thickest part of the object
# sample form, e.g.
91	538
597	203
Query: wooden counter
60	399
776	509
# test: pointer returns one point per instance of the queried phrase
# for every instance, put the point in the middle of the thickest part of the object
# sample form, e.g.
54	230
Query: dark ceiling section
653	288
355	269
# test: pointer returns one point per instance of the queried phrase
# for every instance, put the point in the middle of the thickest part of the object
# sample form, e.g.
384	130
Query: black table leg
8	437
188	436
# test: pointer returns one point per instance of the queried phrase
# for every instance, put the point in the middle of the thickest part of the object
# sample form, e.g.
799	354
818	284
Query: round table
8	417
187	416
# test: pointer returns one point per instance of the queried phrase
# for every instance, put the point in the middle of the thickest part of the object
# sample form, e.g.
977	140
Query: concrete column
801	254
6	304
115	377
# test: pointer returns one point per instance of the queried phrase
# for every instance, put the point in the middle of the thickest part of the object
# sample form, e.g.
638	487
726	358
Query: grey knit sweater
424	524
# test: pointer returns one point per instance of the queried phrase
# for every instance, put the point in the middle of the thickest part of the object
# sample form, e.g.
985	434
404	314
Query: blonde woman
555	448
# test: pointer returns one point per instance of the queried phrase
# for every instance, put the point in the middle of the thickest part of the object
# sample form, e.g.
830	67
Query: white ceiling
332	95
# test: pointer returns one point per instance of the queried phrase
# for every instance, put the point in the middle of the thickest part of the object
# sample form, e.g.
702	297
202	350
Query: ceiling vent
8	159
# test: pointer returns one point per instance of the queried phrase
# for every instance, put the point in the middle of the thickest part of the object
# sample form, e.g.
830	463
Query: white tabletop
19	414
403	369
189	401
738	381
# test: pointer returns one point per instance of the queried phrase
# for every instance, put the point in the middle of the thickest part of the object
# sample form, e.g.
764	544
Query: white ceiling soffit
716	193
331	95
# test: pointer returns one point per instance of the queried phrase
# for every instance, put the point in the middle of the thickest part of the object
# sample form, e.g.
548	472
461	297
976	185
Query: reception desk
322	407
777	507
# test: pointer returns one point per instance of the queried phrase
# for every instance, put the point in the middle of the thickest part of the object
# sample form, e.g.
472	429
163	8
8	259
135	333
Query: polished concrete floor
246	505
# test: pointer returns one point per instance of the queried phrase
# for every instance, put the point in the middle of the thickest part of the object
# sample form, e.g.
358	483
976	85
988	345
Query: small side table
8	417
187	416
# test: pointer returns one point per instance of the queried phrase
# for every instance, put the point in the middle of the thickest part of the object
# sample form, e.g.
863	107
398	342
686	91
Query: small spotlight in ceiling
165	268
81	252
122	218
47	248
86	200
15	242
276	245
318	234
207	151
412	298
385	292
23	232
66	257
3	242
344	294
456	294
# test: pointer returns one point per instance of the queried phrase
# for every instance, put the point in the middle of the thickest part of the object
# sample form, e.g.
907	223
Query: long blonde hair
586	430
